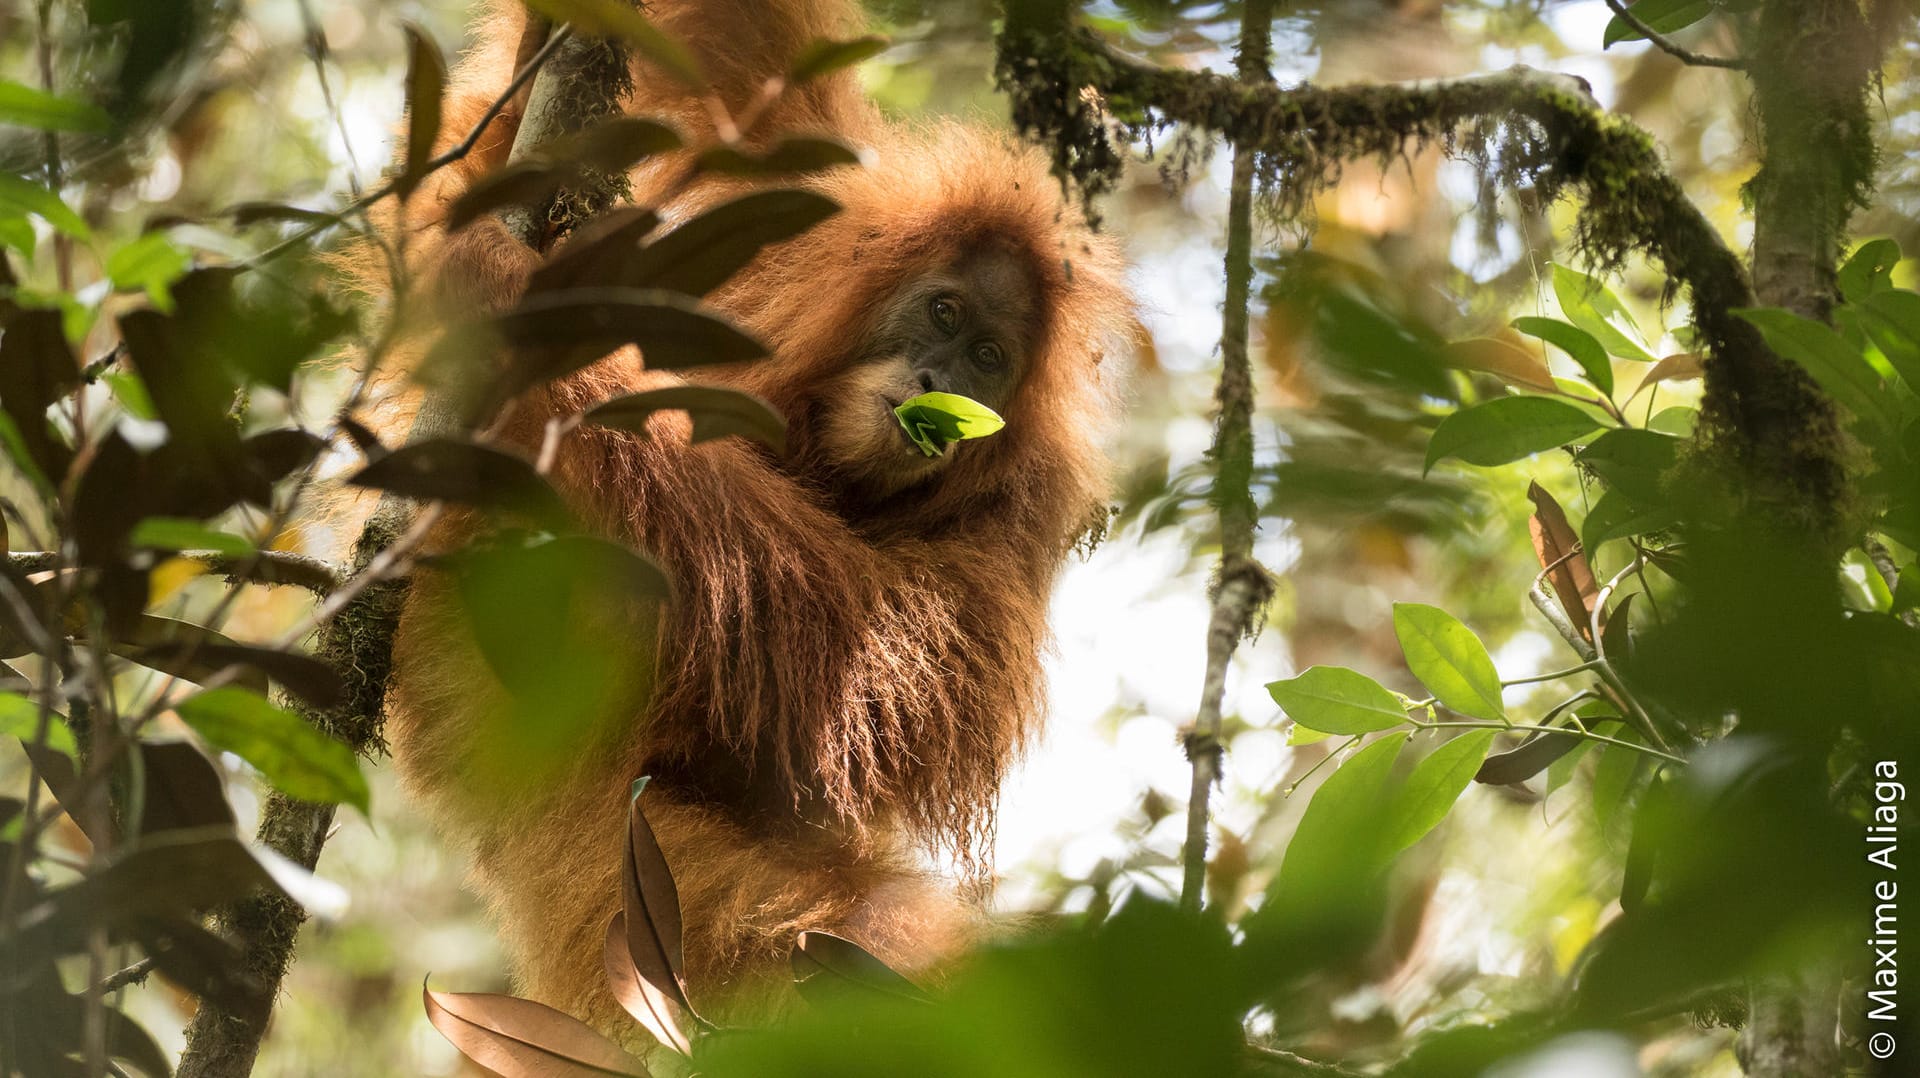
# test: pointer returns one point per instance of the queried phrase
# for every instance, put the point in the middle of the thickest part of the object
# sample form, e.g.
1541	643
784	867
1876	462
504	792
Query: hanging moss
1525	130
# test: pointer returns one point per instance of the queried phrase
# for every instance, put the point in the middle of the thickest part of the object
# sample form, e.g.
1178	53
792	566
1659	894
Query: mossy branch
1242	588
1077	97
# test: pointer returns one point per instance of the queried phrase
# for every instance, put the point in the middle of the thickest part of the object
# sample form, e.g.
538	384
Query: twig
458	151
259	567
1322	762
1554	676
317	51
1242	588
1284	1062
1666	45
134	974
1488	724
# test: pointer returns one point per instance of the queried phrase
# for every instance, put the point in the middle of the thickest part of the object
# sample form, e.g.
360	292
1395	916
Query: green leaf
1869	270
715	412
24	106
1593	307
127	388
1359	339
426	83
522	183
1617	516
180	533
1906	591
1892	320
1507	429
459	470
1613	778
1839	368
1662	16
936	420
17	232
1335	700
29	197
617	18
1861	585
1560	772
557	333
297	759
699	255
826	56
1575	342
20	717
613	145
1678	421
1339	846
1632	462
1300	735
149	264
789	156
1435	784
1449	660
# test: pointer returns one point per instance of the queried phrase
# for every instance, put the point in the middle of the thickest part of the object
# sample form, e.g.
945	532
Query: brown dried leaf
824	960
1558	546
1680	367
648	1005
654	935
1510	362
518	1038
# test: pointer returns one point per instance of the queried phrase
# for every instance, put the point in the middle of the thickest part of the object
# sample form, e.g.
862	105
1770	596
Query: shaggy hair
839	681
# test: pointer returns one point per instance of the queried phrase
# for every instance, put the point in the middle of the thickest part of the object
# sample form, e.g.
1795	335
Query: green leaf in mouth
935	420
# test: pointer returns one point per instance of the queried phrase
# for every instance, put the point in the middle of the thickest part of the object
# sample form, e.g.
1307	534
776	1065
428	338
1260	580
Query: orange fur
840	680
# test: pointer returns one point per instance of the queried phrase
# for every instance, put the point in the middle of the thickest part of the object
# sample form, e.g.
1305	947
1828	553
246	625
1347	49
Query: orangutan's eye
989	356
945	312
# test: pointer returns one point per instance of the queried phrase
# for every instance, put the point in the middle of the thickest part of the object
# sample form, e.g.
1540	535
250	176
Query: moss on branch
1528	130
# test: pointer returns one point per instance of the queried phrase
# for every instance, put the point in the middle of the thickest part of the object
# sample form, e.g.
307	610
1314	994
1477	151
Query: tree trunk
1813	64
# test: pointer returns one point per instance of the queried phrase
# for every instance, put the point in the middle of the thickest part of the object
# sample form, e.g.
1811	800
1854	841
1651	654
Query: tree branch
1553	139
259	567
1242	587
1665	44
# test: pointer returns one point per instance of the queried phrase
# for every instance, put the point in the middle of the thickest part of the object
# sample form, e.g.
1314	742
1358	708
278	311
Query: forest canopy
1498	653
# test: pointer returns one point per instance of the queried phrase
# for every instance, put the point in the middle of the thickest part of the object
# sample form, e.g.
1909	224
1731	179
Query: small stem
1607	672
1481	724
1549	608
317	52
1555	676
1325	760
134	974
